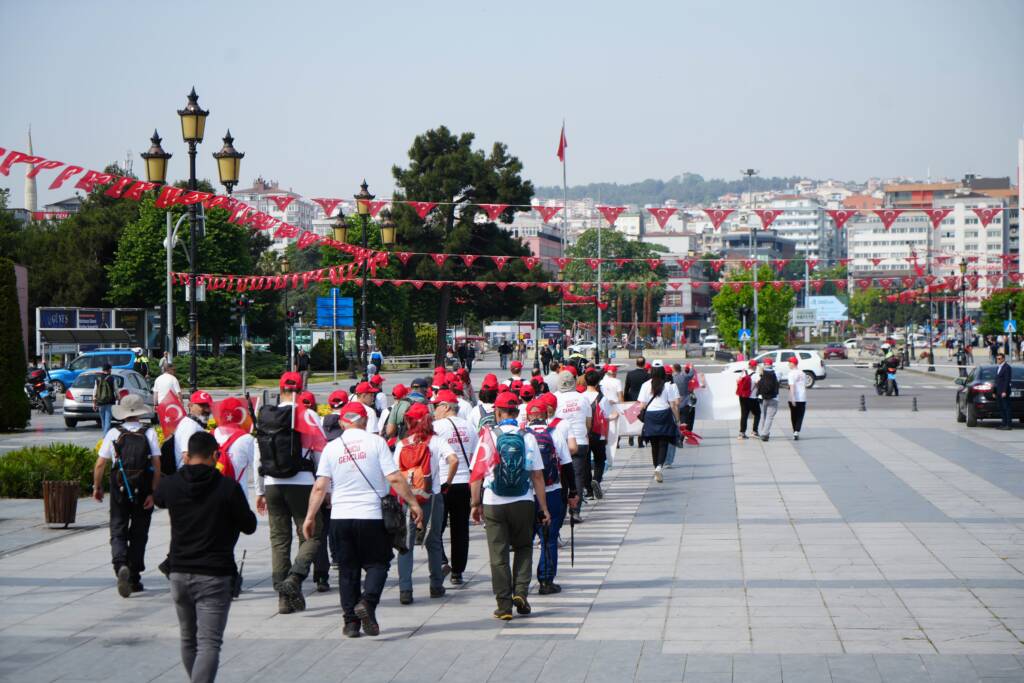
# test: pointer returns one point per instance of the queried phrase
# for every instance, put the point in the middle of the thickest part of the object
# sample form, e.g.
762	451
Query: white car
583	347
711	343
850	343
808	361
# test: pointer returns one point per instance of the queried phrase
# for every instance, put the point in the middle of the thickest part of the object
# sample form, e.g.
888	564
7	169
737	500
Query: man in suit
635	379
1002	389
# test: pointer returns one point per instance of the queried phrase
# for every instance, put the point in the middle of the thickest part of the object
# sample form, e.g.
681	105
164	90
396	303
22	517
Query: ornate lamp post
229	162
363	200
156	172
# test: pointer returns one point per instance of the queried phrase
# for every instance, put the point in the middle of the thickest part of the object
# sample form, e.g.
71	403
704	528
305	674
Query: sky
321	94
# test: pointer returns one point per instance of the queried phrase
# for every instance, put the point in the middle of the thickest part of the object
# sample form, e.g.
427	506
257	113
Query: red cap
516	385
516	365
464	373
450	377
307	399
291	381
752	363
417	411
571	369
366	388
399	391
611	368
201	398
351	410
439	370
793	360
231	411
506	400
445	396
502	388
527	392
457	385
550	400
688	367
376	380
580	388
490	382
768	361
536	406
647	367
337	398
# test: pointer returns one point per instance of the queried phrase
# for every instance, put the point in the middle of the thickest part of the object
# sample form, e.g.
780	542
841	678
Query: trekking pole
124	477
572	542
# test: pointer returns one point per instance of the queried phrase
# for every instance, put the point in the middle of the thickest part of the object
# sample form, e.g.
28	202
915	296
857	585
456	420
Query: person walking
165	360
602	416
504	351
134	454
356	470
611	387
1001	387
302	366
797	381
575	410
451	428
747	396
545	358
660	415
104	396
507	477
396	418
635	379
207	512
200	407
768	389
165	383
237	446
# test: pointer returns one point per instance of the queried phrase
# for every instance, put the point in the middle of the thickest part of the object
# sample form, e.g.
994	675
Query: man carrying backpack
104	396
507	476
283	483
134	454
602	415
456	432
747	396
235	444
768	388
483	413
396	418
575	410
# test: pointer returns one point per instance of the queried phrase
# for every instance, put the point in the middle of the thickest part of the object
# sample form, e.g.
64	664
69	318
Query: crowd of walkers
758	387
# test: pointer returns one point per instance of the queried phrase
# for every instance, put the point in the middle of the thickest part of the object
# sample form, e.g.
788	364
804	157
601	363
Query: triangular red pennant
817	285
562	262
876	261
468	259
422	208
717	286
718	216
500	261
844	261
662	214
522	285
493	211
936	215
654	263
501	285
736	286
547	212
716	264
594	263
377	282
994	279
985	215
840	284
281	201
327	204
888	216
439	259
885	282
418	284
864	282
797	285
1015	276
675	285
375	207
779	264
480	285
633	286
777	285
930	279
840	216
611	213
748	263
403	256
531	262
438	284
621	261
685	264
606	286
811	263
759	285
907	281
586	286
767	216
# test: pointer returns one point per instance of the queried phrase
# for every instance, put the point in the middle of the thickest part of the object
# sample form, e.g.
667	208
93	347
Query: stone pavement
880	547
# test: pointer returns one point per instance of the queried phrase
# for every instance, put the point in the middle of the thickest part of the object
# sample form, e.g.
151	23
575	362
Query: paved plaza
883	546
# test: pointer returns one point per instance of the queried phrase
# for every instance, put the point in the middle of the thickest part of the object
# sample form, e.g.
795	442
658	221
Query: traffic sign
804	317
1010	326
744	335
326	306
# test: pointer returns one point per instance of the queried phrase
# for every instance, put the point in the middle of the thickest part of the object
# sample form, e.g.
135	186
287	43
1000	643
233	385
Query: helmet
886	347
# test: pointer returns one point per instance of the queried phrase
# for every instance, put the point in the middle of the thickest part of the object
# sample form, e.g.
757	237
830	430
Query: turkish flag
468	259
936	216
562	144
308	426
718	216
547	212
493	210
328	204
888	216
375	207
985	215
421	208
170	411
439	259
500	261
653	263
562	262
767	216
662	214
281	201
840	216
611	213
485	457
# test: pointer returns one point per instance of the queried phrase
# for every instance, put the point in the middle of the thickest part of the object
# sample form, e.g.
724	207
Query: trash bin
60	501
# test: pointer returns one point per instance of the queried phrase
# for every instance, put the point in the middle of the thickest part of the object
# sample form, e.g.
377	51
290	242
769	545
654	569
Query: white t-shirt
165	383
797	381
380	402
478	412
371	420
574	408
560	437
465	408
184	431
351	496
611	387
241	453
456	431
303	478
533	462
551	379
382	422
669	393
107	447
439	449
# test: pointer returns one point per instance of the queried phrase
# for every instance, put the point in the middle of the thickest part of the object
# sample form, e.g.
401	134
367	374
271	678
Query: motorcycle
39	391
885	380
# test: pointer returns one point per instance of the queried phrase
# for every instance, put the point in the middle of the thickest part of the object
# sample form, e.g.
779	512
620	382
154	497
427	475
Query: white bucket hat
130	406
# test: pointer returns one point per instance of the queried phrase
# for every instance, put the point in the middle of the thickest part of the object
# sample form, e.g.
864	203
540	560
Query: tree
14	407
444	168
688	188
995	308
773	308
871	307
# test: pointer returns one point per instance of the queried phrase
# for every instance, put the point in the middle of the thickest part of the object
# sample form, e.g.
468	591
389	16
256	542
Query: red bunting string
888	216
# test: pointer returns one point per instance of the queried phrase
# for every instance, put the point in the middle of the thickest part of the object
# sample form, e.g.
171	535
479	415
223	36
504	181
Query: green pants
287	505
510	527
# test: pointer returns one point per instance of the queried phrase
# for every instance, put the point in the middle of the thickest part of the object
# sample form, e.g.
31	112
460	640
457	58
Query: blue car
63	378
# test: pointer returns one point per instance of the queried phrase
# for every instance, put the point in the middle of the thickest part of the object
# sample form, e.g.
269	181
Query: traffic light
291	315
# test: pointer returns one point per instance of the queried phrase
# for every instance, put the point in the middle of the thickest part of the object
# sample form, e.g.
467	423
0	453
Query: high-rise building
805	222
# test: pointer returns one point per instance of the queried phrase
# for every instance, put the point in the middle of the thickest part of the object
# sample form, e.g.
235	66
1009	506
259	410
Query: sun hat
130	406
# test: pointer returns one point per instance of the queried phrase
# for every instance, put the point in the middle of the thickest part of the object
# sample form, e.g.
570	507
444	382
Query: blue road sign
744	334
325	311
1010	326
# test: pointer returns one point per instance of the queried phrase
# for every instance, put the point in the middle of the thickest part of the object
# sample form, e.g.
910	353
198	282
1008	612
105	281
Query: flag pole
561	246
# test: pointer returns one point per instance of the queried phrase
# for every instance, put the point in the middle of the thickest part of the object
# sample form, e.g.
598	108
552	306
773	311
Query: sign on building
803	317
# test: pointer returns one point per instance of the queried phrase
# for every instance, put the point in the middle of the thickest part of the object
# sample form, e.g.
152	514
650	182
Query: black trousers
545	365
456	505
755	411
659	449
321	563
363	545
129	533
745	414
581	466
599	453
796	414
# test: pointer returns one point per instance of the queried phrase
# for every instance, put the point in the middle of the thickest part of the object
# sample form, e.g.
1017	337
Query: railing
424	360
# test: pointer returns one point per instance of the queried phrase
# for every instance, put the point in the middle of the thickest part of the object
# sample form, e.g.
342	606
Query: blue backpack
510	476
546	444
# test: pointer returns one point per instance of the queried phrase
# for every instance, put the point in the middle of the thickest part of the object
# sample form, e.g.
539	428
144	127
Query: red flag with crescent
907	281
547	212
673	285
611	213
767	216
403	256
717	286
170	411
327	204
885	282
777	285
594	263
308	426
936	215
779	264
500	261
531	262
840	284
439	259
653	263
986	214
685	264
797	285
468	259
876	261
817	285
811	263
718	216
484	458
888	216
422	208
621	261
864	283
493	211
662	214
840	216
562	262
281	201
418	284
736	286
375	207
716	264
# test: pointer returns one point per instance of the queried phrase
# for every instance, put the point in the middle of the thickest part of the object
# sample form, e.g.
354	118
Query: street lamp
156	172
229	161
363	200
388	231
340	227
750	173
963	300
156	161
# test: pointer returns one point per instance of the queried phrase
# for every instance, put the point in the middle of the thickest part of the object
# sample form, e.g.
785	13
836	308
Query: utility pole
750	173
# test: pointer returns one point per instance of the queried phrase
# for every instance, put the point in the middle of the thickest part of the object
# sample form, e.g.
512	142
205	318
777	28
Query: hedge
23	471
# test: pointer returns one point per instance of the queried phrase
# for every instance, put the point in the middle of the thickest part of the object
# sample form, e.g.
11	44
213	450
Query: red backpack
598	420
414	462
743	386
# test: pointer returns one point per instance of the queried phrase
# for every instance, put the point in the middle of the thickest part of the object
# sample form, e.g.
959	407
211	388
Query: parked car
711	343
975	400
63	378
850	343
584	348
78	399
808	361
834	350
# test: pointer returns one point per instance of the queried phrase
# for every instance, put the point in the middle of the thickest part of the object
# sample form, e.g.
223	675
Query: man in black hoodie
207	513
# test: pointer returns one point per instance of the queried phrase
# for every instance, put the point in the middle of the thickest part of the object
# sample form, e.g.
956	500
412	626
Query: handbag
390	511
643	412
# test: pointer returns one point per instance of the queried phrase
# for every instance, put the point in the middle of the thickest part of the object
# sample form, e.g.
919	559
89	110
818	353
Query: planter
60	501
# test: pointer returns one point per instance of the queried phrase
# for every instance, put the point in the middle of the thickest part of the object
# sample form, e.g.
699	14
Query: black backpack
131	475
768	387
280	446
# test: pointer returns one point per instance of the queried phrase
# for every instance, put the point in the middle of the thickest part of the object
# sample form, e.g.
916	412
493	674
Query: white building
300	212
867	239
805	222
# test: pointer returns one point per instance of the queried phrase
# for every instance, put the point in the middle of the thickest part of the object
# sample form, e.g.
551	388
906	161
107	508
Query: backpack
598	420
131	477
486	420
769	385
400	423
224	464
743	386
414	461
104	394
510	475
280	447
546	443
168	461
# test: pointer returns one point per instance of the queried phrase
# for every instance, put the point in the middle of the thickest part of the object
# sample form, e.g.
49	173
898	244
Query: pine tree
14	407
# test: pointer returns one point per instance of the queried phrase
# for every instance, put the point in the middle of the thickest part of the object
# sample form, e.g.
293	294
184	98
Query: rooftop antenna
127	168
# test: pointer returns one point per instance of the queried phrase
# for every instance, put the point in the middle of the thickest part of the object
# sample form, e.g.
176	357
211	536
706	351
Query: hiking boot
368	617
124	581
598	491
548	588
292	589
503	613
165	568
322	586
137	587
522	606
456	579
437	592
657	474
350	629
405	597
284	605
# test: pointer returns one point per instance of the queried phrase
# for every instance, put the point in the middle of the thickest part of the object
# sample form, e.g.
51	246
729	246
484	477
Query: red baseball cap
611	368
444	396
506	400
550	400
439	370
351	410
231	411
201	398
307	399
450	377
417	411
571	369
536	406
291	381
516	365
376	380
337	398
752	363
768	361
399	391
502	388
793	360
527	392
463	373
516	386
490	382
457	385
366	388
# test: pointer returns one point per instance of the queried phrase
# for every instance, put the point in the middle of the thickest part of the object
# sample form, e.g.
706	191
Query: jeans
202	603
129	532
504	361
547	566
456	507
286	505
509	527
433	523
769	406
796	414
105	416
363	545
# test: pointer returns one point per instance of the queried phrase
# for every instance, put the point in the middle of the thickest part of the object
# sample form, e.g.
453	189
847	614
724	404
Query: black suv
976	399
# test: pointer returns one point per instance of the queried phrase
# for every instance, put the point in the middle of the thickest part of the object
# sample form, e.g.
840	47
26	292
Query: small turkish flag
547	212
562	144
484	458
308	427
170	411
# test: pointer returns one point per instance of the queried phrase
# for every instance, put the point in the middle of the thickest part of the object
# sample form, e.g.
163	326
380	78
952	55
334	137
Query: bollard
863	406
913	405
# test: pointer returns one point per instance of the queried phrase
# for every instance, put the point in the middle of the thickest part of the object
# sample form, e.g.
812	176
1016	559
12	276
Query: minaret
30	182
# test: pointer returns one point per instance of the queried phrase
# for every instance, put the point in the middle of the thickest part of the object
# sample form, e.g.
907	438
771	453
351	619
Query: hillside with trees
688	188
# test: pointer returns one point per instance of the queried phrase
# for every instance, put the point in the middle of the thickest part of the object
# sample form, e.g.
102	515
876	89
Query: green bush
226	371
22	472
321	356
426	338
14	407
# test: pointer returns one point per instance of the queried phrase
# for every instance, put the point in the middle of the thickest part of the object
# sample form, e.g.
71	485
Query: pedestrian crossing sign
744	334
1010	326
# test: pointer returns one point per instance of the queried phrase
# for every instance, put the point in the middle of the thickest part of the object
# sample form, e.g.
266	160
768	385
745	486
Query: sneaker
446	569
137	587
165	568
284	605
796	436
456	579
503	614
742	437
124	581
764	438
368	617
405	597
657	474
562	542
548	588
522	606
350	629
598	491
437	592
322	586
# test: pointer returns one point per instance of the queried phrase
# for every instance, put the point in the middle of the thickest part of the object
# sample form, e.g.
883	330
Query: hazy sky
320	94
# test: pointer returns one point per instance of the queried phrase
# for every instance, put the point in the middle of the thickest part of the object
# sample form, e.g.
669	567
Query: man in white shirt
357	468
465	407
165	383
241	445
574	408
285	497
380	399
200	405
611	388
485	407
367	394
551	379
439	459
510	515
451	428
797	381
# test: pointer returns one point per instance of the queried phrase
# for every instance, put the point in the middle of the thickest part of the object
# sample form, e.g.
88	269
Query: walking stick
572	541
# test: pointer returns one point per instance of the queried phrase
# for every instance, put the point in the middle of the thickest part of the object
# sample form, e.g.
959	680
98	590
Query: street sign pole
334	330
243	333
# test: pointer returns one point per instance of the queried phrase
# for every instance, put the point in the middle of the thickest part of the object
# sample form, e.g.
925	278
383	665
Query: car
78	398
711	343
808	361
850	343
975	399
582	347
63	378
834	350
